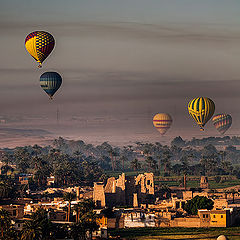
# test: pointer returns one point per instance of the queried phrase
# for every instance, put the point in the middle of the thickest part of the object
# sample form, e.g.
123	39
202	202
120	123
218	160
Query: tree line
77	163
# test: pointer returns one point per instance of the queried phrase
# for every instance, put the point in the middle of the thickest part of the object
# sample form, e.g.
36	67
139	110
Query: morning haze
121	63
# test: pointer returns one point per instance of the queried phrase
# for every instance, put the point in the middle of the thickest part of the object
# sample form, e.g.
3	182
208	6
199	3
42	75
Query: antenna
58	116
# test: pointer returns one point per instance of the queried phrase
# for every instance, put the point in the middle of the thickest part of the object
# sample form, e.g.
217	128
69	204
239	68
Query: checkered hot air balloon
222	122
162	122
39	44
201	110
50	82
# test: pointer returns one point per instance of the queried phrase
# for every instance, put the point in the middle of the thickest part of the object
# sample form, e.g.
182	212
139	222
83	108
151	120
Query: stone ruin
125	191
204	182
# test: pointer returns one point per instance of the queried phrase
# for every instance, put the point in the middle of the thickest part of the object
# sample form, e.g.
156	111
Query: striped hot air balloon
222	122
162	122
50	82
39	44
201	110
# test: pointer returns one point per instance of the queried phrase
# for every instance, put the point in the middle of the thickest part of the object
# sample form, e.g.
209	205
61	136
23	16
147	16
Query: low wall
185	222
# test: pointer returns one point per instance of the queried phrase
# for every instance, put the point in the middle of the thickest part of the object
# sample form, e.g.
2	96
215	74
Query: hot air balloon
201	110
222	122
50	82
39	44
162	122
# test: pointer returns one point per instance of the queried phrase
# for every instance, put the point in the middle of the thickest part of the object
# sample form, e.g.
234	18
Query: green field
190	183
195	184
232	233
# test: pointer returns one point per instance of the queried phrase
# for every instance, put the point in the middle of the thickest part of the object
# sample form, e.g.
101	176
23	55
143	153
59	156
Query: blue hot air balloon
50	82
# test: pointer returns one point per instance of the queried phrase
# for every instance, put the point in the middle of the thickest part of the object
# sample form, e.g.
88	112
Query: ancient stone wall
148	184
185	222
111	185
99	194
130	189
121	191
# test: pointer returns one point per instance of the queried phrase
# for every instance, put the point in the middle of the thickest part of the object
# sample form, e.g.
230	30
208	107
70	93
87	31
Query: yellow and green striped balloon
201	110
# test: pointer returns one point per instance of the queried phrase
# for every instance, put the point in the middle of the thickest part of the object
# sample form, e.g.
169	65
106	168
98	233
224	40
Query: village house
138	218
24	178
15	211
57	215
205	218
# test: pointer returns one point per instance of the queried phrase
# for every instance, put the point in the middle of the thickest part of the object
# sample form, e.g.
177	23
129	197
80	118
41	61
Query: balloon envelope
162	122
39	44
201	110
222	122
50	82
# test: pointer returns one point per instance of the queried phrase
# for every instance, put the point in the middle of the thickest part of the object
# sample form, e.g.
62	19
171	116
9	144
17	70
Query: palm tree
223	155
146	151
78	231
78	155
151	163
165	161
22	158
135	164
185	164
69	197
123	158
40	219
115	154
37	150
209	163
5	169
31	231
7	188
90	222
76	209
86	220
227	167
110	151
5	221
83	207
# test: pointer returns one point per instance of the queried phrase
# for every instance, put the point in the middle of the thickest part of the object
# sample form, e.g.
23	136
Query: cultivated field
232	233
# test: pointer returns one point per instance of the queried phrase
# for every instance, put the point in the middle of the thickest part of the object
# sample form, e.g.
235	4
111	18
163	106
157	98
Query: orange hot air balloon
162	122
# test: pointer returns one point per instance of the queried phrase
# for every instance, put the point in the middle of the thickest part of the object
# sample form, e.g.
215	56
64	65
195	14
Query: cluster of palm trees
42	163
5	225
77	163
176	160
